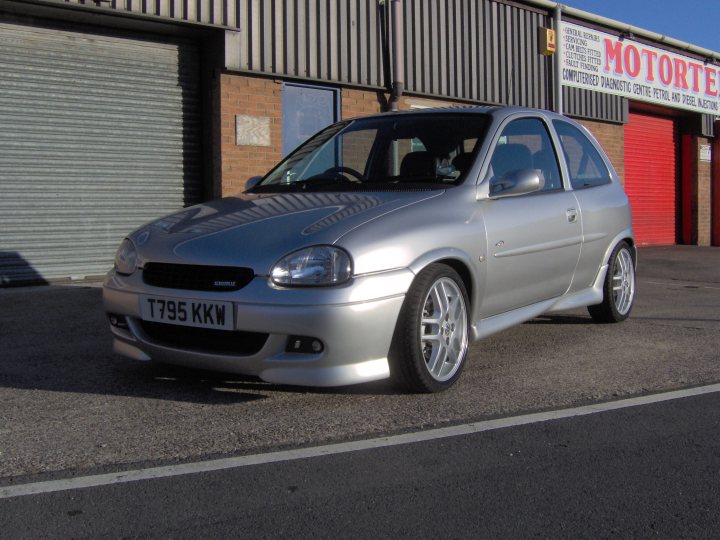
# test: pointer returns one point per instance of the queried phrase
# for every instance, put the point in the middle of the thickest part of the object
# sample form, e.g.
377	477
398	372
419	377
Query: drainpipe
556	61
398	54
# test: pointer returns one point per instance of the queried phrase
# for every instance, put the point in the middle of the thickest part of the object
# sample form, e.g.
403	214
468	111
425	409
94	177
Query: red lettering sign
632	60
613	53
681	69
695	69
651	56
622	66
710	81
666	69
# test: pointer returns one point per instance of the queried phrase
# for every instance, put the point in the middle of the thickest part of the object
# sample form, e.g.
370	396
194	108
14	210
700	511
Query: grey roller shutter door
98	134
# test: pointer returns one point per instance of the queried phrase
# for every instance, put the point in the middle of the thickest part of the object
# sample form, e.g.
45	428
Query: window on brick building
305	111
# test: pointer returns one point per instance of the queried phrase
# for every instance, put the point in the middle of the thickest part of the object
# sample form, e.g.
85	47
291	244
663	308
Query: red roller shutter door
650	177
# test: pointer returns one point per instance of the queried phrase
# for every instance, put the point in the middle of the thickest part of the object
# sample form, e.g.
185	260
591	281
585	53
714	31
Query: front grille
205	339
196	277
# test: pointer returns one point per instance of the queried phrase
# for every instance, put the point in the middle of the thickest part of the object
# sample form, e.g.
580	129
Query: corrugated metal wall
213	12
595	105
324	40
98	135
475	50
651	145
481	51
708	125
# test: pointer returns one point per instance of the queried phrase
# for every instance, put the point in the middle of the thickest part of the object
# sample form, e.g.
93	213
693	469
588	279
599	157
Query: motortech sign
597	61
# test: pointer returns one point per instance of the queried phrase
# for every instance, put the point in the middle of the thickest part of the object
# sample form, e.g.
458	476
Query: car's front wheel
619	287
431	336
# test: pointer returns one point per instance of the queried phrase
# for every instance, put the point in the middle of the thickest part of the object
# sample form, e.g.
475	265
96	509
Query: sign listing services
598	61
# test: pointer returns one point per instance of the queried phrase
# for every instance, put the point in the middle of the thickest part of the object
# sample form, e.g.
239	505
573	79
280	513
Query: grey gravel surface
67	404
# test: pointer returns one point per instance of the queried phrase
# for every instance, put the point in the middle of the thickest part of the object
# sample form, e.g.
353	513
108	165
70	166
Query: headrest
419	164
511	157
462	162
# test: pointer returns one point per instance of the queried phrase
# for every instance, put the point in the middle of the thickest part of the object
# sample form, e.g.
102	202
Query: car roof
495	111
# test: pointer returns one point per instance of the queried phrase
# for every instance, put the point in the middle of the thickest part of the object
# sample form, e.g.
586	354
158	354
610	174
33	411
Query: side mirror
252	182
519	182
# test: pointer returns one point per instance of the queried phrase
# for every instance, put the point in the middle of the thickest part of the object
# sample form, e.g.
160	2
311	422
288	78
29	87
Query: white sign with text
605	63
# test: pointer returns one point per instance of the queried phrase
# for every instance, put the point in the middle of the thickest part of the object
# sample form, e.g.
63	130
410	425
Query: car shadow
239	382
561	319
56	338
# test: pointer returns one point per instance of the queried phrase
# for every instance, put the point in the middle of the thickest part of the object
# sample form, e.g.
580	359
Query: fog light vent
304	344
118	321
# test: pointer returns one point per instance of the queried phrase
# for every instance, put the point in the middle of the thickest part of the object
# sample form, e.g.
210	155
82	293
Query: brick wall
262	97
361	102
612	138
704	200
251	96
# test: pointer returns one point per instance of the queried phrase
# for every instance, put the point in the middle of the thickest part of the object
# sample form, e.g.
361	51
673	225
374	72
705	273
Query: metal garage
651	144
98	134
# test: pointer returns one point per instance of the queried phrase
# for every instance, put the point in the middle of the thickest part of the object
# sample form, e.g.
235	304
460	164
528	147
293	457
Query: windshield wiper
314	182
320	181
440	178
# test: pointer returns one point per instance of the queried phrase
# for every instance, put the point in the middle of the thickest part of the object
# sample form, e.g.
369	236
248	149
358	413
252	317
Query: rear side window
586	166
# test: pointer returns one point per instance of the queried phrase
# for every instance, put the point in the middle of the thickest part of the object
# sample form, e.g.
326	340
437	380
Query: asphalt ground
69	406
647	471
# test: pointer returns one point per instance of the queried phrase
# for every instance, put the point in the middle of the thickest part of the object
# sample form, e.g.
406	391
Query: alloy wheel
623	282
443	329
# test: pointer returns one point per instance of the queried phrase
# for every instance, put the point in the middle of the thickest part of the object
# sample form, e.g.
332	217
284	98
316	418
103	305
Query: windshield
393	152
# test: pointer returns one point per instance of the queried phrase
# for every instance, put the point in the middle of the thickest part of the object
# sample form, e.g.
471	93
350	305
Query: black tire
419	349
615	307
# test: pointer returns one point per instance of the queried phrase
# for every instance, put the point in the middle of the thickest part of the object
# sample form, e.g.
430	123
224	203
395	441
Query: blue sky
694	21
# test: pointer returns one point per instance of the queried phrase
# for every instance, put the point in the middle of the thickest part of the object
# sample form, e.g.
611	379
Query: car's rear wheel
619	287
431	336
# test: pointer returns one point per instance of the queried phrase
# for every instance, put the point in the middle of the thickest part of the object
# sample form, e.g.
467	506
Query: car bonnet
256	230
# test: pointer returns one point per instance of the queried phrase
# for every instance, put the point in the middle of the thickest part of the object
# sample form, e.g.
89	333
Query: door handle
572	215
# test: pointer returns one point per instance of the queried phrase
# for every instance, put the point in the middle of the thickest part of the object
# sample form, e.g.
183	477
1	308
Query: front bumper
355	323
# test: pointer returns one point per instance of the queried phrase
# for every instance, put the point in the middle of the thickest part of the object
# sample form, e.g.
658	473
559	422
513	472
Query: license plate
198	313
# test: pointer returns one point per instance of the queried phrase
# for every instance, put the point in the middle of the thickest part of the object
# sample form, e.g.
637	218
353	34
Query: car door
534	239
603	204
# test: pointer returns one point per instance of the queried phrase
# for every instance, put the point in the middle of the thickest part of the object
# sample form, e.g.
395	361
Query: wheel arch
618	283
455	259
624	236
464	273
631	242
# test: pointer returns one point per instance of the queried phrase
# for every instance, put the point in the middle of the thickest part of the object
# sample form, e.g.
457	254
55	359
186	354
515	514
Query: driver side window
526	144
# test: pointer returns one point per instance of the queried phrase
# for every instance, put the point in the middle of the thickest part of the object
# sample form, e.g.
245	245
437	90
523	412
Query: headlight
317	265
126	258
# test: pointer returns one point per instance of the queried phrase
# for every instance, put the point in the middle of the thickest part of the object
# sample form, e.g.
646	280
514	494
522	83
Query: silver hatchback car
381	248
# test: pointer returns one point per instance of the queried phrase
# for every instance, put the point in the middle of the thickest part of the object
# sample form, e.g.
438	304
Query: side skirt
585	297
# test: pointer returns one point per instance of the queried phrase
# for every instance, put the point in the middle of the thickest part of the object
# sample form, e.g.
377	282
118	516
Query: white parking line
151	473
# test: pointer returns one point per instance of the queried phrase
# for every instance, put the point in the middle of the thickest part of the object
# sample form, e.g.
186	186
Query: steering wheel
345	170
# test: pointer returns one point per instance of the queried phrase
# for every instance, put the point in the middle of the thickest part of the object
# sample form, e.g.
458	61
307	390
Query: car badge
225	283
